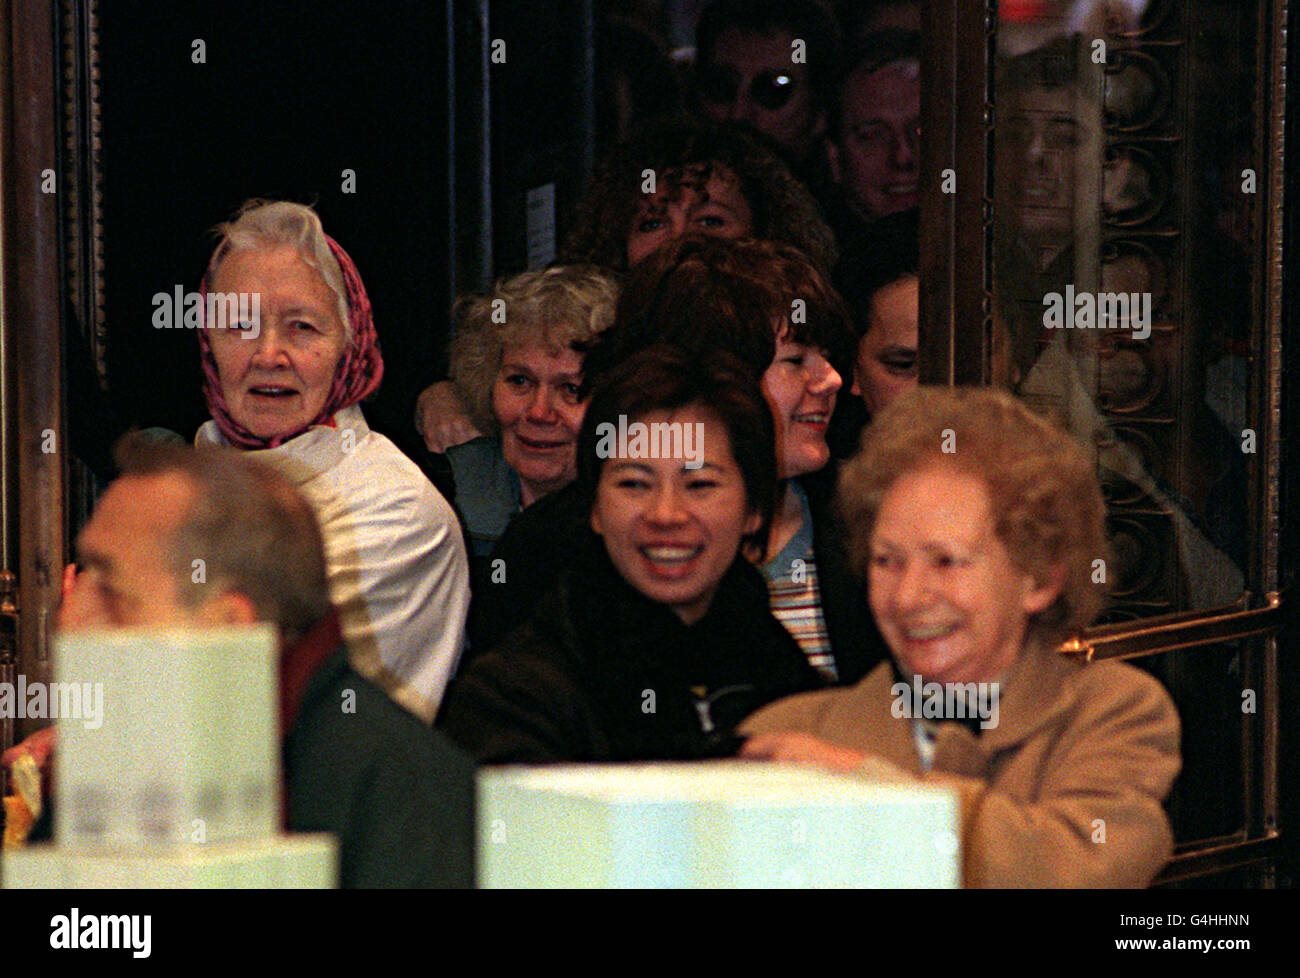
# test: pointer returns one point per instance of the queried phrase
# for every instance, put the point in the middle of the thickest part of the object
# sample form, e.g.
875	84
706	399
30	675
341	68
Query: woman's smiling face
672	531
276	377
946	594
800	386
535	399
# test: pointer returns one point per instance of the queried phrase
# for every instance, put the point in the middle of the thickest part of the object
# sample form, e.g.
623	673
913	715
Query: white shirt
395	558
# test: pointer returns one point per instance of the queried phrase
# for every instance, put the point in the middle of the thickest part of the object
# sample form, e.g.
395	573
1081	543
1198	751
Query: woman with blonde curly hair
980	529
516	365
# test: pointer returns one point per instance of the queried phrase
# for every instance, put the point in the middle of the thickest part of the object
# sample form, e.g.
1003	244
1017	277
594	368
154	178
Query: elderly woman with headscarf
981	529
286	383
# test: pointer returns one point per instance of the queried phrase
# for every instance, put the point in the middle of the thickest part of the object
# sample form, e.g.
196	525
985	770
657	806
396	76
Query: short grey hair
262	224
255	532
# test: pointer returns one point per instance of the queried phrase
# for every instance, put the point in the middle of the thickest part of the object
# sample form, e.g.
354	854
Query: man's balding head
194	538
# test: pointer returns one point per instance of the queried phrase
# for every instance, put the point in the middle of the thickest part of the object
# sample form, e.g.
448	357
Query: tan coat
1065	791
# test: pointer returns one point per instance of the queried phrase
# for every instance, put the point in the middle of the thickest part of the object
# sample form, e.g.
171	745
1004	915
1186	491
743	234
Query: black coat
397	794
537	544
601	673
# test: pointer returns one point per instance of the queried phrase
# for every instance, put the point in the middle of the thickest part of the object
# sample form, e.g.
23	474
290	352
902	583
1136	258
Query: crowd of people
699	506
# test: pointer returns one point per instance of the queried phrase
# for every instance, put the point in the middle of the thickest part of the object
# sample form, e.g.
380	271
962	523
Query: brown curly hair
1047	505
699	292
677	148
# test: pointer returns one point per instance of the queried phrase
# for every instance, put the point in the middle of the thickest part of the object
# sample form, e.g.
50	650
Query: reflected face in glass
800	386
877	157
671	531
886	364
949	601
535	398
1042	137
752	80
277	378
707	200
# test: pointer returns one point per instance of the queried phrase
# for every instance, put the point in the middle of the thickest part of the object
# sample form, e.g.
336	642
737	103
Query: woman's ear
752	522
1040	594
595	522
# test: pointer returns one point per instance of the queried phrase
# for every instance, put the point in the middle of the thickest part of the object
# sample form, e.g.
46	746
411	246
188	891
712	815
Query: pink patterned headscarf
359	372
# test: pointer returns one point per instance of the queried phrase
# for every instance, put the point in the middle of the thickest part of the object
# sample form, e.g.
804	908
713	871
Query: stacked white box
282	862
177	782
735	824
188	748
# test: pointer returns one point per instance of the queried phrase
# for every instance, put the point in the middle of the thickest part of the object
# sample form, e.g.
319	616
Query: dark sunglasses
770	89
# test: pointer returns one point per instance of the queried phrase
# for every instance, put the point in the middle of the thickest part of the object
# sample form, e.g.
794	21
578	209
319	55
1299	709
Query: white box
711	824
188	749
278	862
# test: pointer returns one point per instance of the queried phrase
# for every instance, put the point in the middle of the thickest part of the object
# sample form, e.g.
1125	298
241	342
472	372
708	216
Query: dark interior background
291	94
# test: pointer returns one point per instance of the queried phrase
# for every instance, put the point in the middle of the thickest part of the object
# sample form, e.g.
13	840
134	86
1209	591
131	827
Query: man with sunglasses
770	65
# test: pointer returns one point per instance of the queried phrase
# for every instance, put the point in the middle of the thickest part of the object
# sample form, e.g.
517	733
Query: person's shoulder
562	505
486	488
547	526
397	793
1108	686
810	712
381	476
525	700
351	725
548	638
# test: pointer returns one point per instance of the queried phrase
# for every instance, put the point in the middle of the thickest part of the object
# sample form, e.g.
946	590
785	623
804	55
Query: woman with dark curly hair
679	175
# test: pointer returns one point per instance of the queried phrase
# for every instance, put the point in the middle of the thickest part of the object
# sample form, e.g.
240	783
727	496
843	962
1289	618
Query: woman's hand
801	748
441	419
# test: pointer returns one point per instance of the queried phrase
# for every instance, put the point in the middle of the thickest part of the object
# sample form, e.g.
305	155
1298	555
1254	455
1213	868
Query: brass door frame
31	408
959	39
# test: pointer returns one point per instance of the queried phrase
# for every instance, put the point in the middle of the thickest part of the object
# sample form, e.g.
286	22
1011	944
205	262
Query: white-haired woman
286	384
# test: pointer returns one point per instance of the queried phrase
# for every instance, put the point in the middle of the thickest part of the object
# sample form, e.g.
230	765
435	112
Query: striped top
795	596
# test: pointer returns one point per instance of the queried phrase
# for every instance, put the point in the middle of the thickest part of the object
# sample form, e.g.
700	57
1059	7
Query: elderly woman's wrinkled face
277	377
947	597
535	398
706	200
